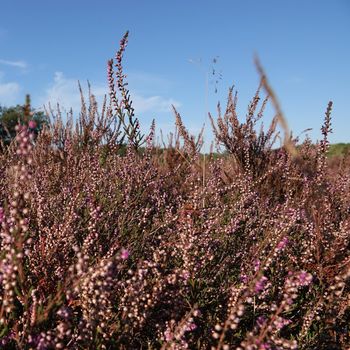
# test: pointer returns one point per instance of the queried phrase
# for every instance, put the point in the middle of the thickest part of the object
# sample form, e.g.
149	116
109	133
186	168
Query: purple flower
32	124
124	254
2	215
185	275
283	243
257	264
304	278
168	335
259	286
244	278
261	320
6	339
280	322
191	327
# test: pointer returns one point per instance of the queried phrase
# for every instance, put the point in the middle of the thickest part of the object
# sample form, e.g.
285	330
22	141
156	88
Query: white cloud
17	64
65	91
8	92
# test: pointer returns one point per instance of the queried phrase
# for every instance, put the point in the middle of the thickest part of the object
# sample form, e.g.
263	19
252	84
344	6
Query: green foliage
338	150
11	116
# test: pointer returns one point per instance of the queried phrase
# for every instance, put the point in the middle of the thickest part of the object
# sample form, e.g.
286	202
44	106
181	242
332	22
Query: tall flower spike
124	110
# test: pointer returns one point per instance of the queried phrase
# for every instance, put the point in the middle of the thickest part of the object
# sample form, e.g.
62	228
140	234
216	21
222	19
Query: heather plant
108	245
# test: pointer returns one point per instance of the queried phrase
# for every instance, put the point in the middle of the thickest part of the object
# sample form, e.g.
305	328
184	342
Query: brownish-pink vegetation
107	246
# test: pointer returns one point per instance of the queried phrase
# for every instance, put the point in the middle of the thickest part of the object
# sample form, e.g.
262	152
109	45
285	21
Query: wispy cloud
8	93
17	64
64	91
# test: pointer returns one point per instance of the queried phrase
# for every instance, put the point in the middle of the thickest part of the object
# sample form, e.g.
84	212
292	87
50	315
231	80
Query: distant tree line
11	116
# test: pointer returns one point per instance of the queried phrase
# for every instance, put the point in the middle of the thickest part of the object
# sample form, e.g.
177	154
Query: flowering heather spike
112	91
124	110
151	135
324	143
2	215
190	146
124	254
15	225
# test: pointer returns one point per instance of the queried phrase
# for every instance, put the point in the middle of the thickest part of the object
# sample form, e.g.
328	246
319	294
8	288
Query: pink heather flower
244	278
283	243
185	275
261	320
191	327
32	124
259	286
6	339
281	322
2	215
124	254
257	264
304	278
197	313
168	335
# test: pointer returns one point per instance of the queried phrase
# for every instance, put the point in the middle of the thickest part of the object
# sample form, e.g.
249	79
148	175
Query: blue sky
303	45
